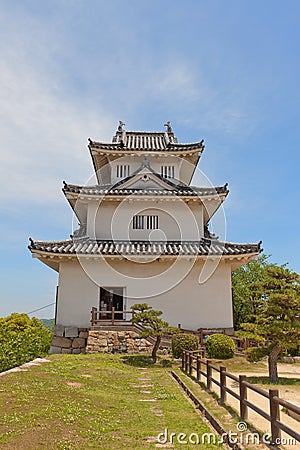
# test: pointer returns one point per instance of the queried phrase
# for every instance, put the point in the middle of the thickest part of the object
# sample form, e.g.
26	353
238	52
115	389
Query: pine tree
277	320
153	324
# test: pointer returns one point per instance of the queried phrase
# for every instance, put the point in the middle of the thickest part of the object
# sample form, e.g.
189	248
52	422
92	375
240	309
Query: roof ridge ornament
169	128
120	126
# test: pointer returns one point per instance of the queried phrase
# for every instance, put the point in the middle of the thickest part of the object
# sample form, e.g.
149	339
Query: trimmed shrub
183	342
255	354
22	339
220	346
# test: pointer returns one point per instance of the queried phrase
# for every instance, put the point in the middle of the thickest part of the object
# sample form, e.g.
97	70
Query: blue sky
225	71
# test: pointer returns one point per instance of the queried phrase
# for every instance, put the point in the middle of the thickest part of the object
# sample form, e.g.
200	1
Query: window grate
167	171
123	170
141	222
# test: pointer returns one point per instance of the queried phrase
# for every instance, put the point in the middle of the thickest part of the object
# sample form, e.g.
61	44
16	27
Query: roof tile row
130	140
86	246
175	191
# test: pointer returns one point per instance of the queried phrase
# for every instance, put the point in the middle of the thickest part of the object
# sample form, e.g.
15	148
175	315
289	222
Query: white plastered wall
177	220
174	289
76	295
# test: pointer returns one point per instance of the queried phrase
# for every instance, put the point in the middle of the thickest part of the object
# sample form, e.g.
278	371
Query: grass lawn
240	364
93	401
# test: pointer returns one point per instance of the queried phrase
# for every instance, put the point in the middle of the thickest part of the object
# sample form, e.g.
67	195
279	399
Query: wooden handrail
95	313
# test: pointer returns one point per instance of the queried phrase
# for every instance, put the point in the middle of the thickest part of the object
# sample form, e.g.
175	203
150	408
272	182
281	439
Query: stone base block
66	350
68	339
71	332
55	350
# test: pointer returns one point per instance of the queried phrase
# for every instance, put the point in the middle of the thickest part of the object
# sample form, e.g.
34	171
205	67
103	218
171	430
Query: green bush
254	354
220	346
183	342
21	340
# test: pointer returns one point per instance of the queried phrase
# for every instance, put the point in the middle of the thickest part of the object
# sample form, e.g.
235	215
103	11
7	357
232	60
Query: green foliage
277	320
149	318
220	346
251	331
255	354
141	307
248	292
153	325
49	323
182	342
21	340
280	314
294	351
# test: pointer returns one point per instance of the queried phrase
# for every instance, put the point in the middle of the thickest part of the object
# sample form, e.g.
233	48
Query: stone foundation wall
105	341
291	359
69	340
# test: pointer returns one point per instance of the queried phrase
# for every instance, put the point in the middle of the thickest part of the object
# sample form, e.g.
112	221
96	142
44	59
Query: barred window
167	171
123	170
141	222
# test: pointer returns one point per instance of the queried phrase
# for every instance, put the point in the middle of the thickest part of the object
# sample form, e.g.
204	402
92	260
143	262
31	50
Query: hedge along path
40	409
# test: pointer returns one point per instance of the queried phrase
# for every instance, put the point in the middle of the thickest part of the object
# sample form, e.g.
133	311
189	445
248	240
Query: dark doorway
111	297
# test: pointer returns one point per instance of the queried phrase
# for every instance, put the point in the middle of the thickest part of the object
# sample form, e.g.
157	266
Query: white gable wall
155	162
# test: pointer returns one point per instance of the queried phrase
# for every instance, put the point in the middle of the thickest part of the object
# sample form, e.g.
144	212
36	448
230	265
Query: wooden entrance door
111	297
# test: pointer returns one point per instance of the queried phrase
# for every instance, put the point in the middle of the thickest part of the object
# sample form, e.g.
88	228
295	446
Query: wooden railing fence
111	317
193	364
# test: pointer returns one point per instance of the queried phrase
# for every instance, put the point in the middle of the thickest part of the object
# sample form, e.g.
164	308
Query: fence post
94	312
182	359
243	396
208	374
112	315
223	384
190	363
275	415
186	356
198	367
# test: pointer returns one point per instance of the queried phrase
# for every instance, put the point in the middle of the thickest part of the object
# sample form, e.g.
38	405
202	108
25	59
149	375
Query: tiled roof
175	191
142	140
86	246
137	140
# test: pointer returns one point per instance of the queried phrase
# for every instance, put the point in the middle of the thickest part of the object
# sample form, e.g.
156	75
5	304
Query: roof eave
74	194
117	150
60	256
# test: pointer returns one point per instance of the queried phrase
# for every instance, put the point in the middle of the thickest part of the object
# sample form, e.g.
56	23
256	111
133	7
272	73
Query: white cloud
44	131
43	137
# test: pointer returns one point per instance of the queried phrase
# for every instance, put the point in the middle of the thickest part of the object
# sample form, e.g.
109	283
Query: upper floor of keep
125	154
